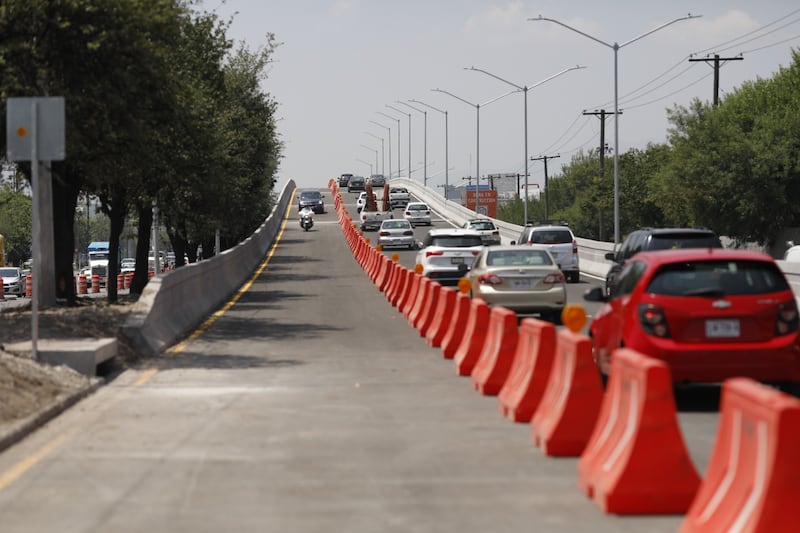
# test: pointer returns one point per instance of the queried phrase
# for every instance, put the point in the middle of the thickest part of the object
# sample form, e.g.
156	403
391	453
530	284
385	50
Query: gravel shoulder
32	392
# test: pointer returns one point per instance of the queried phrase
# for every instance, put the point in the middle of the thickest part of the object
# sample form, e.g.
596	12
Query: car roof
453	231
662	257
417	203
662	231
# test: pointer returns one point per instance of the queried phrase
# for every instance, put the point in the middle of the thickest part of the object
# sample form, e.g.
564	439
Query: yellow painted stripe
20	468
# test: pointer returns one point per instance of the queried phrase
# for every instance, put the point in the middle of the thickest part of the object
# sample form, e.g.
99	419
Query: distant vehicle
418	213
99	252
362	200
151	262
372	219
399	197
446	255
648	239
127	265
709	313
377	180
525	279
489	231
13	281
344	179
312	199
356	183
560	241
396	233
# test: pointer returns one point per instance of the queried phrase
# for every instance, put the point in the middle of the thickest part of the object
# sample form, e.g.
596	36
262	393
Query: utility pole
602	114
716	59
546	188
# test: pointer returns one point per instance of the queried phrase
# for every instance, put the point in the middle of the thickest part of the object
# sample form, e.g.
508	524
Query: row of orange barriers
632	456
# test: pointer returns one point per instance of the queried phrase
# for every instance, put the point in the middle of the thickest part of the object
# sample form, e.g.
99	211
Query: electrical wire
672	93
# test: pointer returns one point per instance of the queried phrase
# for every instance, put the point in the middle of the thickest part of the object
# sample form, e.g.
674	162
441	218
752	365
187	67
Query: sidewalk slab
82	355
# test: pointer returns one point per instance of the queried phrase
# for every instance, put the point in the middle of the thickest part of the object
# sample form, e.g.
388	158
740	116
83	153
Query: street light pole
424	142
524	89
477	137
366	163
615	47
398	142
376	155
390	143
446	162
409	135
383	154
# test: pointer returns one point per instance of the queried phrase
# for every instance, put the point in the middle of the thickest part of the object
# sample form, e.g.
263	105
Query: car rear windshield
417	207
555	236
716	278
522	257
669	241
310	195
9	272
482	225
456	241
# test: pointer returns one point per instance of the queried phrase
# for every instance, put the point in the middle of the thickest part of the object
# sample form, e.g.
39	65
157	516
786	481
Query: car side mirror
610	256
595	294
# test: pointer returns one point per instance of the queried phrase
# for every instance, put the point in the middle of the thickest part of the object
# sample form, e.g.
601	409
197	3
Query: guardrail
591	253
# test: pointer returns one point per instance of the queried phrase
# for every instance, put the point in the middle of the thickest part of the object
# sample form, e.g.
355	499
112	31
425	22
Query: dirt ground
27	386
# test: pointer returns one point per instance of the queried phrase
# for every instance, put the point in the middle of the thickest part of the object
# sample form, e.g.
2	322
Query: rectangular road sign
49	128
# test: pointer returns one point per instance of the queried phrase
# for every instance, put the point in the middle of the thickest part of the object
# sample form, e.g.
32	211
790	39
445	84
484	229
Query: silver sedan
396	233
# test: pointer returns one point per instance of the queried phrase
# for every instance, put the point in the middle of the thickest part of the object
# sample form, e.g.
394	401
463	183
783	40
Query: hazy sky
342	61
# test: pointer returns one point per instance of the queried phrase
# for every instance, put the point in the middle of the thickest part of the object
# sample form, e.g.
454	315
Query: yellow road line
19	469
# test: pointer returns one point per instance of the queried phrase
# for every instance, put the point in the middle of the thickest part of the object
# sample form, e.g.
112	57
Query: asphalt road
309	405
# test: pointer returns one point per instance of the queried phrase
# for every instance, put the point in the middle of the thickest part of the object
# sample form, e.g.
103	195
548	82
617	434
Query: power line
716	66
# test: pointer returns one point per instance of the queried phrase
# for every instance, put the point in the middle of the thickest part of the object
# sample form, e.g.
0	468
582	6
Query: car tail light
434	252
408	213
495	233
574	247
409	232
475	252
653	320
554	279
490	279
384	234
787	321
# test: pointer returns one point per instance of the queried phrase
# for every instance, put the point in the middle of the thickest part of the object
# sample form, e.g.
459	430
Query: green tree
15	225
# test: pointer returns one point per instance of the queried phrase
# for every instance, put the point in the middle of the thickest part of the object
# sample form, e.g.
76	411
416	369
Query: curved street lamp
524	89
398	143
366	163
390	143
446	162
615	47
383	152
409	136
376	155
424	143
477	136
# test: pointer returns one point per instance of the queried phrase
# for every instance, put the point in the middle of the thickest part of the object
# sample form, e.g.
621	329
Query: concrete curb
22	428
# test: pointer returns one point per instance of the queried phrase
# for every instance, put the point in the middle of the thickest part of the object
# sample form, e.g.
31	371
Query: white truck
370	216
398	197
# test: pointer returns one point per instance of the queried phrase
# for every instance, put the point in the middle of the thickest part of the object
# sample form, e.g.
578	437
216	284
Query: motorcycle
306	222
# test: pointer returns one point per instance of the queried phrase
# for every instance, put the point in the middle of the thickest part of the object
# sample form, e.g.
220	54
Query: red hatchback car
711	314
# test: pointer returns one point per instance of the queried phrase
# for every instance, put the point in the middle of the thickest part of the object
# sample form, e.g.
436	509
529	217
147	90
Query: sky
341	63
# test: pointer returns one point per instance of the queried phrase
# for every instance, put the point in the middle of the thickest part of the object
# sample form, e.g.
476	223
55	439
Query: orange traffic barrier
403	277
565	418
473	337
497	356
428	314
83	285
636	461
2	292
458	323
128	279
441	317
385	281
421	301
523	390
29	286
120	281
410	293
95	283
752	480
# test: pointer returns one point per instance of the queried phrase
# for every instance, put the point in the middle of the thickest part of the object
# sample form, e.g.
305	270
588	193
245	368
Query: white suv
561	243
446	255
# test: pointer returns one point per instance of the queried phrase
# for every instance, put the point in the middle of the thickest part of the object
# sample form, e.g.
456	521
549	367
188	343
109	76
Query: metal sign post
35	133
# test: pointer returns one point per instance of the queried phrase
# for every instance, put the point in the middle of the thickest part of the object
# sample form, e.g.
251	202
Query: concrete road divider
752	482
172	304
497	356
563	422
441	317
473	337
524	388
418	299
403	278
458	323
408	299
636	461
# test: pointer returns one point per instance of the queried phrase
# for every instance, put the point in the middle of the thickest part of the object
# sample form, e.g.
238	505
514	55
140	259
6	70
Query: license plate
716	329
521	283
457	260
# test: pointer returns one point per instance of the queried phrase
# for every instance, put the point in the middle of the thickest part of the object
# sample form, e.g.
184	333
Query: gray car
13	281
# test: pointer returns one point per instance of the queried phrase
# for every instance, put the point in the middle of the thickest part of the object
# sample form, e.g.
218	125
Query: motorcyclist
306	212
